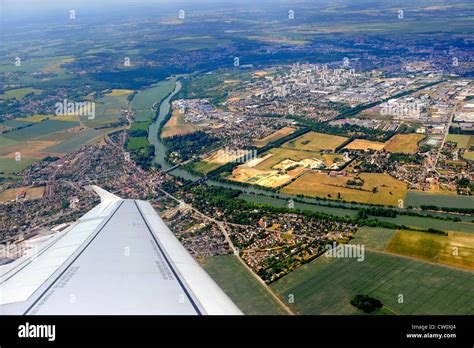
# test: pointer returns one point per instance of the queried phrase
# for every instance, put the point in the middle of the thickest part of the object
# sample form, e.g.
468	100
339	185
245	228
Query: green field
144	100
242	288
144	115
107	110
212	85
462	141
16	123
6	142
19	93
421	222
314	141
140	126
10	166
326	286
205	167
40	129
50	64
376	238
75	142
416	199
137	143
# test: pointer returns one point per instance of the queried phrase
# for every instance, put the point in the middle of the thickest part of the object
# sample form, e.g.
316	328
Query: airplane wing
119	258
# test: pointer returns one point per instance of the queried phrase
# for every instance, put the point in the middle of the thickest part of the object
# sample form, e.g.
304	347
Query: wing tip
105	196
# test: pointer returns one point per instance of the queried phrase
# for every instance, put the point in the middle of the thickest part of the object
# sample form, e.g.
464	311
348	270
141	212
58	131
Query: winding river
272	198
154	139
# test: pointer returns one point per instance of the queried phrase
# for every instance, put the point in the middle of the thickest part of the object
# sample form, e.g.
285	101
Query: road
445	135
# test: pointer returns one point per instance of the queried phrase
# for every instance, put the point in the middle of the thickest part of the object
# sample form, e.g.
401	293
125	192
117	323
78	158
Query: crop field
61	136
205	167
388	189
120	92
51	64
375	238
469	155
425	222
16	123
462	141
212	85
278	155
326	286
31	193
266	178
283	132
456	249
37	118
144	100
404	143
416	199
27	149
107	110
19	93
224	156
439	189
76	141
144	115
70	118
137	143
362	144
177	126
217	159
6	142
282	40
10	166
40	129
242	288
313	141
140	126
